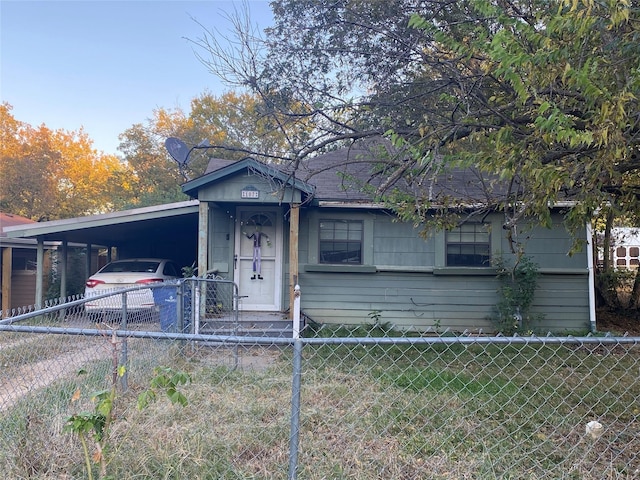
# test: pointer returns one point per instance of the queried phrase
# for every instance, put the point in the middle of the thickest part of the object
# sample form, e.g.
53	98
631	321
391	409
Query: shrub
517	290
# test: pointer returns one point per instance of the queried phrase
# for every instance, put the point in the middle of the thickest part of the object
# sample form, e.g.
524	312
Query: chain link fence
360	402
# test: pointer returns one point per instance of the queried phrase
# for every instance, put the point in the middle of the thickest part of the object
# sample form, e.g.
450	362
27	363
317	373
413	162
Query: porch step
249	328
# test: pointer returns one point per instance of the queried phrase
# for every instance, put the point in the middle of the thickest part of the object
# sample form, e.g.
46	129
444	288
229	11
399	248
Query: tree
549	95
157	179
539	96
48	175
241	124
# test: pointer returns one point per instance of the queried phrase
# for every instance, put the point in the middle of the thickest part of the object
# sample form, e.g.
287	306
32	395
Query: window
135	266
340	241
469	246
634	253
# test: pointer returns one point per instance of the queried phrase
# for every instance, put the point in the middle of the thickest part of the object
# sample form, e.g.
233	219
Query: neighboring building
18	266
625	248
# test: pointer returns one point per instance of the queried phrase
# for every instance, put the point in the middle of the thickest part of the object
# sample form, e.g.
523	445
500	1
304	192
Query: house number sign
250	192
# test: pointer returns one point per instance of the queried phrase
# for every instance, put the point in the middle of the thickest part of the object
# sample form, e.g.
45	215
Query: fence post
294	434
296	312
180	303
124	381
198	299
235	301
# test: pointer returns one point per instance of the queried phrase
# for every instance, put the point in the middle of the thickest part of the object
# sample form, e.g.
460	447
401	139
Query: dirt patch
617	322
37	375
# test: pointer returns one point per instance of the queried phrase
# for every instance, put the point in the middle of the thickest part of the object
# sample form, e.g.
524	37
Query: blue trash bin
166	300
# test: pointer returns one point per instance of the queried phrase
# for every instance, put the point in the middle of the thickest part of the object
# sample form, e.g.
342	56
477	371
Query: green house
269	229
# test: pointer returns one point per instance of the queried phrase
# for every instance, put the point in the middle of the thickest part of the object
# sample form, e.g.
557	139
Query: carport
163	231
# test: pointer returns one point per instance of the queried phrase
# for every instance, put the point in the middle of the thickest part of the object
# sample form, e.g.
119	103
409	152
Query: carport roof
109	229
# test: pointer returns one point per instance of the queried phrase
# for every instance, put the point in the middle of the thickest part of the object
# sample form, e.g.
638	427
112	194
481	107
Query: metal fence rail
351	402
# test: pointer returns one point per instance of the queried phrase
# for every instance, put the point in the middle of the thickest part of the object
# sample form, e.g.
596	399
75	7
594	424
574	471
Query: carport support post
7	267
39	273
63	270
203	238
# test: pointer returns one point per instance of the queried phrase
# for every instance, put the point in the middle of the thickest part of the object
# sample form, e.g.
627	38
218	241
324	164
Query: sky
104	66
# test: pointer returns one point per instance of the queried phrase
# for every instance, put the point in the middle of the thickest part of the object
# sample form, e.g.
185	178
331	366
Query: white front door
258	258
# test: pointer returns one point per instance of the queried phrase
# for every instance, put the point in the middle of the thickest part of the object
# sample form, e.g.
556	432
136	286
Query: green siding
220	242
231	190
303	239
400	244
418	301
404	277
550	247
413	289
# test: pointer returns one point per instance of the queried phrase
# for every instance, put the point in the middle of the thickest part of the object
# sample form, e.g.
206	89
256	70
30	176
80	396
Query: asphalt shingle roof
340	175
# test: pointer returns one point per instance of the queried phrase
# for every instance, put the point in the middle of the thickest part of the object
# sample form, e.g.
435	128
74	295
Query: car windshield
133	266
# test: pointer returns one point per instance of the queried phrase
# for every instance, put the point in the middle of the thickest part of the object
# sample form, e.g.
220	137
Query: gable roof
345	175
341	174
219	169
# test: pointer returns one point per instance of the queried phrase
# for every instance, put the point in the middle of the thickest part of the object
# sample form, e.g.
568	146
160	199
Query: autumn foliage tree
234	124
49	175
241	124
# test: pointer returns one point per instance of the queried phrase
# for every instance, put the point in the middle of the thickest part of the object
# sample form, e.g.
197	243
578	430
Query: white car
128	273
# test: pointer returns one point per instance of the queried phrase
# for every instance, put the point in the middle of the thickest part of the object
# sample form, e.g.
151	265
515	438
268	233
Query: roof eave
351	204
125	216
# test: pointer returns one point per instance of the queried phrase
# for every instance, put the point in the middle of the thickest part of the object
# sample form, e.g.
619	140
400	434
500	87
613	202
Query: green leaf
544	107
146	398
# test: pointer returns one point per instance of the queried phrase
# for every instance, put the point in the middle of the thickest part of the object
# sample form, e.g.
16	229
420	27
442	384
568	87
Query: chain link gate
210	306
